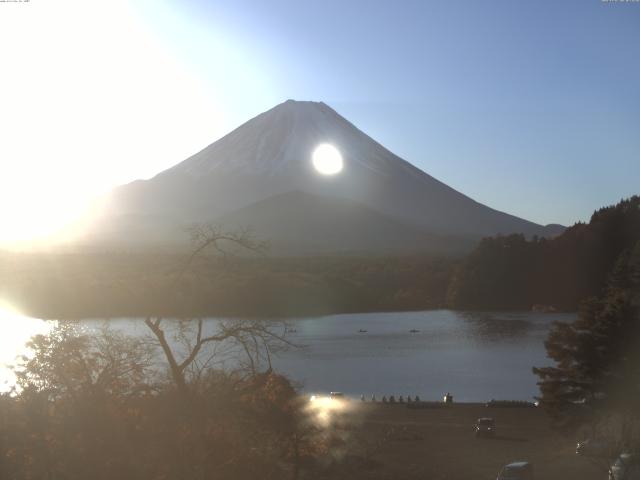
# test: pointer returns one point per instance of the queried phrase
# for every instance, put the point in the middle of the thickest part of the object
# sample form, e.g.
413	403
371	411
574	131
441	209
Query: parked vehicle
485	427
626	467
516	471
334	395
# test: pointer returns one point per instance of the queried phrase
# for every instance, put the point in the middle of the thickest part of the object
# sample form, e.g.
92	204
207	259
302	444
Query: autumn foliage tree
100	404
95	404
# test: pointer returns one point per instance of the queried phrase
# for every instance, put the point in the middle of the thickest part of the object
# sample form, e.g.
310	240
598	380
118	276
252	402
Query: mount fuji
261	176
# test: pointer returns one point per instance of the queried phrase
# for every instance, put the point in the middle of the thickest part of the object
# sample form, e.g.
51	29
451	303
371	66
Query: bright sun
327	159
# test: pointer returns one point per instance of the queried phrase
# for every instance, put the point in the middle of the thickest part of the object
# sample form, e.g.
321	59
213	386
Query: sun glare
327	159
325	410
81	113
15	330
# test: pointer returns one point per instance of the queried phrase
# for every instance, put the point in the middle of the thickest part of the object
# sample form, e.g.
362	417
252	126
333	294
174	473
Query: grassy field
439	443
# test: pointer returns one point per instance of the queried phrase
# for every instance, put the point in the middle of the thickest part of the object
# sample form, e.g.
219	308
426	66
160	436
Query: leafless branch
251	336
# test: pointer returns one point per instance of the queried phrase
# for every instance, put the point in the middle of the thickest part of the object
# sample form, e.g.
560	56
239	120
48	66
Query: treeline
511	272
121	284
504	272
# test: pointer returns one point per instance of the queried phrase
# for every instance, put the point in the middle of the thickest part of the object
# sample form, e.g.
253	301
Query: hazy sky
531	107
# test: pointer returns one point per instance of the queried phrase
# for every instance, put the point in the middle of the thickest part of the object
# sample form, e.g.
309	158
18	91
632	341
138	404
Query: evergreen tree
597	372
511	272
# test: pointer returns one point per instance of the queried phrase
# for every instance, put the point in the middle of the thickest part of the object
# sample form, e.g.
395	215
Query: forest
512	272
502	273
117	284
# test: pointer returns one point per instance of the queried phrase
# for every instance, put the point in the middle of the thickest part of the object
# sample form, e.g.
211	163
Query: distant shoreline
295	317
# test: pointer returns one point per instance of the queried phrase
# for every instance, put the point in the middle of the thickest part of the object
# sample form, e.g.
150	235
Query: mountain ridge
271	154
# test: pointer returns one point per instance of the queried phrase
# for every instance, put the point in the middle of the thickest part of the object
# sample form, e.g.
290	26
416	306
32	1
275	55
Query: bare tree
255	339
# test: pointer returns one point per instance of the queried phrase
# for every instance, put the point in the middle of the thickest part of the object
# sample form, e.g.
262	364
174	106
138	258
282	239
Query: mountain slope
300	223
271	155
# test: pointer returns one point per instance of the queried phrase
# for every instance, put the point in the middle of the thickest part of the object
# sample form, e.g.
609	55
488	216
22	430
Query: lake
475	356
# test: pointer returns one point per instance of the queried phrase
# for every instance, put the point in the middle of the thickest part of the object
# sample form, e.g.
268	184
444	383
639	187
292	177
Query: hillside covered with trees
512	272
501	273
125	284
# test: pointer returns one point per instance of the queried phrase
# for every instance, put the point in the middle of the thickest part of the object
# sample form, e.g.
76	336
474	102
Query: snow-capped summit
282	140
275	141
271	155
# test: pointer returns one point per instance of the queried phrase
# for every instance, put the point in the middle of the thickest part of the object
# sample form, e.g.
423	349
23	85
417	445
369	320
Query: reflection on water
15	331
475	356
491	327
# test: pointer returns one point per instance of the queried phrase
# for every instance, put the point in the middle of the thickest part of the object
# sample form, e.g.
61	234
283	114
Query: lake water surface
475	356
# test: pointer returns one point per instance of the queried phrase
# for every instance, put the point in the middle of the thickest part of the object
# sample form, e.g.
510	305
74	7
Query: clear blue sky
531	107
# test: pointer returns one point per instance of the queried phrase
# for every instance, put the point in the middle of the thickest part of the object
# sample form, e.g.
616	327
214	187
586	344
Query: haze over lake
475	356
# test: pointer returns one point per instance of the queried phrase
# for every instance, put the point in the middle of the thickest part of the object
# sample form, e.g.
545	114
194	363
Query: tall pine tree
596	379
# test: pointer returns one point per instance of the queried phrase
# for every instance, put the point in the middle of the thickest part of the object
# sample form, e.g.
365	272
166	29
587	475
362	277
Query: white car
516	471
626	467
